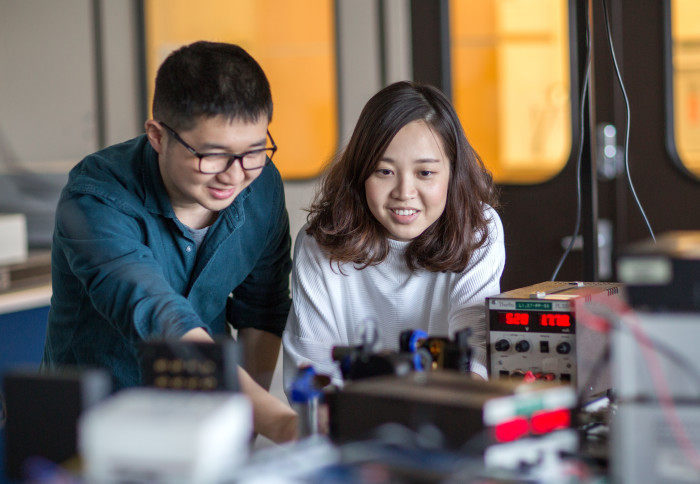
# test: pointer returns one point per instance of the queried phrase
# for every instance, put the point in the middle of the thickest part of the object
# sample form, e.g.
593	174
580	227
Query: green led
533	305
527	407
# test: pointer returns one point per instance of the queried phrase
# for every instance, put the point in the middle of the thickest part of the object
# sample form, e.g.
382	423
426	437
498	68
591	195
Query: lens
214	163
254	159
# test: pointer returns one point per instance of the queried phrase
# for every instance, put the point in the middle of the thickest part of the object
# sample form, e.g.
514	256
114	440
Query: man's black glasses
213	163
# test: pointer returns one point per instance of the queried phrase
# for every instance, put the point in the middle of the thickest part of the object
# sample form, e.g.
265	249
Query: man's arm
259	306
271	417
102	246
260	353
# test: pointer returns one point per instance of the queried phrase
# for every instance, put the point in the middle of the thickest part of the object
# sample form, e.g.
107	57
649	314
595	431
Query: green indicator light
529	406
533	305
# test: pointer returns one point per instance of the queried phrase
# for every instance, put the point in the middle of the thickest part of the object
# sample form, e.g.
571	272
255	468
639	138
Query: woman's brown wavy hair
339	217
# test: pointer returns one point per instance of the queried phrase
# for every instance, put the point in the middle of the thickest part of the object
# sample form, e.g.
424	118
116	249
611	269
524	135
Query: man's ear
155	134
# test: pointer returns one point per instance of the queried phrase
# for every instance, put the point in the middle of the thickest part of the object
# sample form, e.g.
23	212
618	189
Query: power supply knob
522	346
564	348
502	345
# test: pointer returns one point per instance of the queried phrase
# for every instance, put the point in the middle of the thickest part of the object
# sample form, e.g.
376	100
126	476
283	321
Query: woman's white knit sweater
330	307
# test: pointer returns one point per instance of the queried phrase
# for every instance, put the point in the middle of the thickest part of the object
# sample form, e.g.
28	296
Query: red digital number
546	320
563	320
521	319
558	320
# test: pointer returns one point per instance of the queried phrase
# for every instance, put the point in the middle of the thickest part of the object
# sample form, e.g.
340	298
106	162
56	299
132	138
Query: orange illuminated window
294	44
685	55
511	84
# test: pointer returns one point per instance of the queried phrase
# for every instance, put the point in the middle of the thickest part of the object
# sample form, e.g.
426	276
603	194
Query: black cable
627	122
582	131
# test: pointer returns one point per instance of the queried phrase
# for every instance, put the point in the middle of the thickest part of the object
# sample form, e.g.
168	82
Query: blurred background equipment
438	352
446	403
357	362
305	396
144	435
181	365
13	238
531	431
663	275
536	332
655	431
418	351
43	411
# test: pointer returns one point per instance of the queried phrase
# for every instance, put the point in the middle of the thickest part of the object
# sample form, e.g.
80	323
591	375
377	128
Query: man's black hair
207	79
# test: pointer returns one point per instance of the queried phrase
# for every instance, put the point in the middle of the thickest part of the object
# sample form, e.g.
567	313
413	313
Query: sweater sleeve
481	279
312	325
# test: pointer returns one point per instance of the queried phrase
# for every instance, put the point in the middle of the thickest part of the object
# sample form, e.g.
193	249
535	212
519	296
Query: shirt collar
156	200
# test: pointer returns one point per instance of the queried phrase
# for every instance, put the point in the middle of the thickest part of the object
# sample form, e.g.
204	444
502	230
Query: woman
402	232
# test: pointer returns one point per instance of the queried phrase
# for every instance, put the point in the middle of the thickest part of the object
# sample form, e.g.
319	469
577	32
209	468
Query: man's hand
272	418
197	335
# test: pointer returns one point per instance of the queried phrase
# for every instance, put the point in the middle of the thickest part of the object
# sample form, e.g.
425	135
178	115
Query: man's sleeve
104	248
262	301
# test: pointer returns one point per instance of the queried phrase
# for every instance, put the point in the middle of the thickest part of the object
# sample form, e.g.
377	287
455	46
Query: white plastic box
165	436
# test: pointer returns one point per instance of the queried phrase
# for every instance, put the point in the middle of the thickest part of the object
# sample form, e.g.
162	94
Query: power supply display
535	333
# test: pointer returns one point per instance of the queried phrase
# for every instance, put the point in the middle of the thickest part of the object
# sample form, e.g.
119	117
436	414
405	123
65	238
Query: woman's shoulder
495	226
306	246
303	238
492	251
491	214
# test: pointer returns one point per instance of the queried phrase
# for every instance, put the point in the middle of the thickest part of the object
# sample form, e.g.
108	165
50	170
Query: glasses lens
254	159
214	163
217	163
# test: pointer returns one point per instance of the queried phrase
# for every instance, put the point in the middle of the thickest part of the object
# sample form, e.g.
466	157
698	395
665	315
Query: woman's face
407	191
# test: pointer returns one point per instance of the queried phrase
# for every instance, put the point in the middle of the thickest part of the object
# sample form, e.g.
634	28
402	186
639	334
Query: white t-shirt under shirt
329	307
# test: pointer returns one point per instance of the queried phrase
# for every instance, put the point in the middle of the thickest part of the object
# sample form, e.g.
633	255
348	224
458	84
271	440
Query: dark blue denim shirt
125	270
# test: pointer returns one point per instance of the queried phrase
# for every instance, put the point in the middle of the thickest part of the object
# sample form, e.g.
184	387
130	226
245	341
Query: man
154	234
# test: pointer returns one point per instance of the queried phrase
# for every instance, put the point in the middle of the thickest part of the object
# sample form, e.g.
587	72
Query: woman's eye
383	171
426	173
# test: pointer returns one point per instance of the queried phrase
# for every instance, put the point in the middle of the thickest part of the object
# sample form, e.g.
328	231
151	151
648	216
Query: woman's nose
405	188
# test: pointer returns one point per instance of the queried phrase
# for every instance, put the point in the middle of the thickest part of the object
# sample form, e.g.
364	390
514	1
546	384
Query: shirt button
188	248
